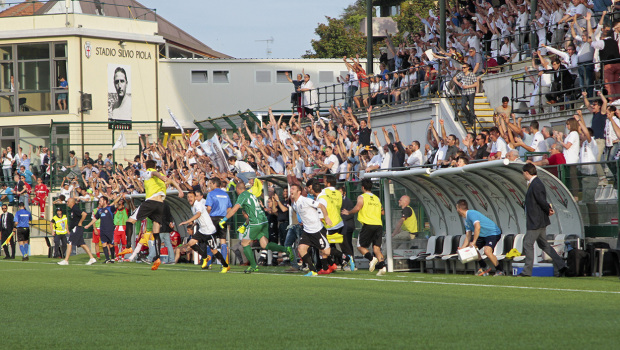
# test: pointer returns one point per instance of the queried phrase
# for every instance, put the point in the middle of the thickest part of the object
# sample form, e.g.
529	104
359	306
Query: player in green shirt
257	226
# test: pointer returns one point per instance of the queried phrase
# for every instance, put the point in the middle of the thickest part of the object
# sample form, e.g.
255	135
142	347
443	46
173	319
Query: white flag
194	137
176	122
121	142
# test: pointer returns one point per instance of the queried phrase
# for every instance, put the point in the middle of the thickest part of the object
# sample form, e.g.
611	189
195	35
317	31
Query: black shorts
316	240
490	241
209	240
107	237
23	234
153	210
219	232
76	238
370	234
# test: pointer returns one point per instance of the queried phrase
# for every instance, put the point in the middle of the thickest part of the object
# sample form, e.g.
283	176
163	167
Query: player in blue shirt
218	204
486	235
105	215
22	224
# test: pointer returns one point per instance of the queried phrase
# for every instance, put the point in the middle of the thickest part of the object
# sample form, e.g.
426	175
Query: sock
275	247
6	251
107	253
129	231
116	249
368	256
483	264
380	265
224	251
21	249
499	267
199	250
221	258
135	252
330	260
111	252
210	254
157	240
26	249
247	251
324	264
307	259
346	257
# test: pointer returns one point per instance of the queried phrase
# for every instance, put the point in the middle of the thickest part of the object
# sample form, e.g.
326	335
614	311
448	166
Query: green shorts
256	231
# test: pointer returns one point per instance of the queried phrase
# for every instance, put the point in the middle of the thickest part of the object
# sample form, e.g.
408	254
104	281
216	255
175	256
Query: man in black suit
6	228
537	212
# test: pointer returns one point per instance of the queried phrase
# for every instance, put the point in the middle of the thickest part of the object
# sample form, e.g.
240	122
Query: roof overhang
494	188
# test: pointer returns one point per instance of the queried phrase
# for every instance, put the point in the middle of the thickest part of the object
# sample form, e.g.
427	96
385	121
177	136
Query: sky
234	26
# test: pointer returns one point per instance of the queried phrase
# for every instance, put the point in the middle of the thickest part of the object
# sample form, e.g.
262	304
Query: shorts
316	240
62	97
362	91
76	238
107	237
370	234
153	210
209	240
119	235
219	232
256	231
146	237
490	241
23	234
96	236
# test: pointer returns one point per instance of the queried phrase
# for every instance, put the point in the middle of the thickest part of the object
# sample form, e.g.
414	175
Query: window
263	76
200	77
281	76
326	77
221	77
30	78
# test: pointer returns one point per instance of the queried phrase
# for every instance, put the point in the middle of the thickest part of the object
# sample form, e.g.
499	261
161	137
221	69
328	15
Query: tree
407	20
336	40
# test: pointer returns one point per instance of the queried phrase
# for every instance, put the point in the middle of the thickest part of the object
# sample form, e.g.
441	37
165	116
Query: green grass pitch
128	306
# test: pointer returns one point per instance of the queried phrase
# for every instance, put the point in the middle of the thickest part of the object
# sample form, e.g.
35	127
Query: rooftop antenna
268	42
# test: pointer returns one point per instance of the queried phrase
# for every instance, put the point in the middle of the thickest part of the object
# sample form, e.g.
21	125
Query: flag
175	121
121	142
213	149
257	188
195	136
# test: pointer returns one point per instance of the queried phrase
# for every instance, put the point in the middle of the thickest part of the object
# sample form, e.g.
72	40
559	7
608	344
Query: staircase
483	110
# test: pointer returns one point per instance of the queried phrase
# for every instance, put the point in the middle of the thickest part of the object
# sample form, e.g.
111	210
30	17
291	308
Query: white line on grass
170	268
480	285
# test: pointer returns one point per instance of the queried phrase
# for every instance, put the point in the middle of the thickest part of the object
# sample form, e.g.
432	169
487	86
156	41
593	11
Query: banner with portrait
119	92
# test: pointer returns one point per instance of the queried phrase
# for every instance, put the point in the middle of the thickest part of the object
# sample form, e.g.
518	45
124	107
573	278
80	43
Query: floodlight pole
368	36
388	224
442	23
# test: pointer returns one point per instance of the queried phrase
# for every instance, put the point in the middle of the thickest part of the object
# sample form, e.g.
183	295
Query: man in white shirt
499	148
330	163
415	158
313	234
205	233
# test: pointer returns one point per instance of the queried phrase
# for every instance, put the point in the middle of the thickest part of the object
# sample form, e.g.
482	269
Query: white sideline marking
330	277
479	285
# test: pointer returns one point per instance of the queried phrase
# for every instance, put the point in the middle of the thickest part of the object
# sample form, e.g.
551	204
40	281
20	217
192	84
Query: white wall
198	101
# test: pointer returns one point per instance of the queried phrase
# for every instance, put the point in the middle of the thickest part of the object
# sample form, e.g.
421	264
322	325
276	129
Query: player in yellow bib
153	207
408	222
369	211
331	198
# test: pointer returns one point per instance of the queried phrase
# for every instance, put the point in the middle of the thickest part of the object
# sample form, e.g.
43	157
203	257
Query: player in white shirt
313	234
205	233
